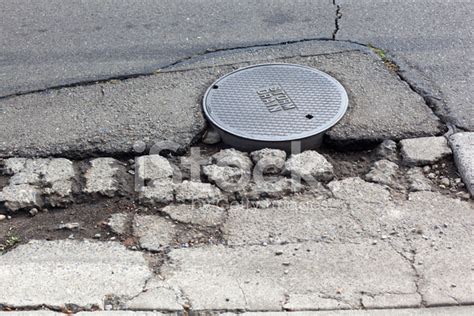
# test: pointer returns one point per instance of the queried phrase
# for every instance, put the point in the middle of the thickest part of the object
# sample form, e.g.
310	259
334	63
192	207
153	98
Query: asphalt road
432	40
47	43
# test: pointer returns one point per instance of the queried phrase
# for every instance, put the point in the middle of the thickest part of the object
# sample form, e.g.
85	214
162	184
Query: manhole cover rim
316	132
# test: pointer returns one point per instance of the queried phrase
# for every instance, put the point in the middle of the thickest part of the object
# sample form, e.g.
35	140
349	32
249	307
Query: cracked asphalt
390	228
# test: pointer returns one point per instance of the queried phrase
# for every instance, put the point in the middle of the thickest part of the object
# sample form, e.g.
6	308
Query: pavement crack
170	65
418	276
336	19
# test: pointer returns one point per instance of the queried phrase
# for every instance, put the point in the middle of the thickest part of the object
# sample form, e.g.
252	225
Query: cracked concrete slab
255	278
83	273
310	220
432	232
111	117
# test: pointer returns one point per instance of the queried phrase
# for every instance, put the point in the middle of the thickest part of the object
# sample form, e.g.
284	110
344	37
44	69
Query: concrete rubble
463	148
424	150
38	182
309	166
106	176
383	172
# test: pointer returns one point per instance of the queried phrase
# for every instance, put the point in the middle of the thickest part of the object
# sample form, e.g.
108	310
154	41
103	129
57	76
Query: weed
383	55
10	242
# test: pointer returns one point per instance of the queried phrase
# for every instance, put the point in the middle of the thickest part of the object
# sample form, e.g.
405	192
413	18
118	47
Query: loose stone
152	167
424	150
118	223
387	150
33	211
383	171
105	177
269	161
211	137
309	166
69	226
417	180
189	191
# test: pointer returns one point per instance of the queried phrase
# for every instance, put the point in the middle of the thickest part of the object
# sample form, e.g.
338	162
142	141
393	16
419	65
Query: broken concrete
424	150
228	179
254	278
383	172
274	188
56	273
38	182
463	148
269	161
152	168
154	232
310	167
21	196
119	223
110	117
417	180
387	150
157	192
105	176
205	215
189	191
233	158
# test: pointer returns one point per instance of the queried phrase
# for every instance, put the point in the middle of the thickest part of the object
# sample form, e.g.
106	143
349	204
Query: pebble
286	271
108	307
69	226
426	169
431	175
384	237
278	252
286	263
33	211
374	242
71	236
463	195
2	217
445	181
97	236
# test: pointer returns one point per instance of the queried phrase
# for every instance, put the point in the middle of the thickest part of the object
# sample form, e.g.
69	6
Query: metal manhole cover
271	105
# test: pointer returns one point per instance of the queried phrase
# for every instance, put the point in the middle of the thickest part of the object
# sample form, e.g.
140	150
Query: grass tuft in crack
10	242
383	55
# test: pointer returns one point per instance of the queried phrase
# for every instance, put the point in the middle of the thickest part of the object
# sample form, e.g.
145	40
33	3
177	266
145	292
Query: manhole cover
272	105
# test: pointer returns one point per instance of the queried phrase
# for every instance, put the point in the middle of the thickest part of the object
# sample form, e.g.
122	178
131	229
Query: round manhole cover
272	105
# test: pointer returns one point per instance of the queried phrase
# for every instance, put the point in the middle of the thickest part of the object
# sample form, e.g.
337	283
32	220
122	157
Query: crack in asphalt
170	65
336	19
